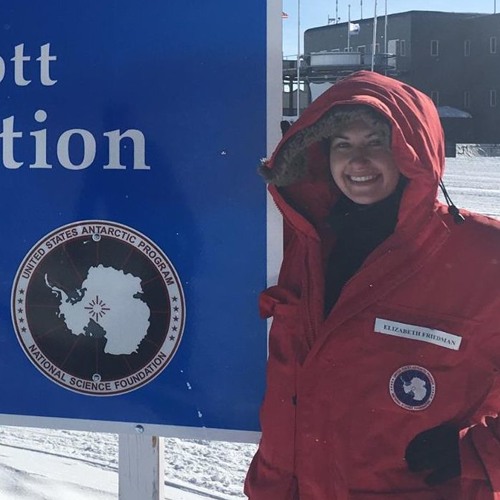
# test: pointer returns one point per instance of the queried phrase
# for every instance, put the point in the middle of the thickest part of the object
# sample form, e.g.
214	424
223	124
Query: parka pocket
277	414
437	350
277	300
283	306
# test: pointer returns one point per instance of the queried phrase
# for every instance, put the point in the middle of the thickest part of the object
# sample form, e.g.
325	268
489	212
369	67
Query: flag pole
361	7
385	29
348	27
374	36
298	58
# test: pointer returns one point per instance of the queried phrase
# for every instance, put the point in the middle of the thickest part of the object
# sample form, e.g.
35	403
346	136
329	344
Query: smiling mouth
360	179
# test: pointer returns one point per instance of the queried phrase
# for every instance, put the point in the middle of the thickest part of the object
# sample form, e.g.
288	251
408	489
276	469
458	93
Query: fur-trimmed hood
300	161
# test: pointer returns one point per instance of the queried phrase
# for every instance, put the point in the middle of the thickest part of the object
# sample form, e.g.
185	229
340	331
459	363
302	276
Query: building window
466	48
361	49
493	98
435	97
402	47
466	99
434	48
397	47
493	44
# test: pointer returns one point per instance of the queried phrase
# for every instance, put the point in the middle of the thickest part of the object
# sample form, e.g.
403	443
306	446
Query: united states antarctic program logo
98	308
412	387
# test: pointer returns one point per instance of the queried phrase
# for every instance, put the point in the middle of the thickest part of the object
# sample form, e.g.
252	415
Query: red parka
413	341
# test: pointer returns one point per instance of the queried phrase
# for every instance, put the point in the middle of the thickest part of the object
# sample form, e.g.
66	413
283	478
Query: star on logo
97	308
171	337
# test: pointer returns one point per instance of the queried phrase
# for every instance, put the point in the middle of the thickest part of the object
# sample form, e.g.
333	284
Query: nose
359	156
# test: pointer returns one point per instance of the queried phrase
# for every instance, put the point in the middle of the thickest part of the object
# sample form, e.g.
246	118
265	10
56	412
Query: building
452	57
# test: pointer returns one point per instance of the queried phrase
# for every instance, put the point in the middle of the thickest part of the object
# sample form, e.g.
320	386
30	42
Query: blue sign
133	221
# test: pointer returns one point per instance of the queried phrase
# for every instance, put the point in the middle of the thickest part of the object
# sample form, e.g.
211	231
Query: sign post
141	467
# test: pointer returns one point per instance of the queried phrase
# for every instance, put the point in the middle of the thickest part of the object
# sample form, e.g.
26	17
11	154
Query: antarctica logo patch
98	308
412	387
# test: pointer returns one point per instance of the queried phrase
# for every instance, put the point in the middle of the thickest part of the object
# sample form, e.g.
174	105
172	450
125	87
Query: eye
340	145
374	143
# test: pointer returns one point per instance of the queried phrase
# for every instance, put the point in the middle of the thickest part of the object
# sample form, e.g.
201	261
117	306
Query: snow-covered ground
45	464
474	184
41	464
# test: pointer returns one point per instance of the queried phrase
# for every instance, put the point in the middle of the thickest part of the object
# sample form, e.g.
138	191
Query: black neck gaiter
359	229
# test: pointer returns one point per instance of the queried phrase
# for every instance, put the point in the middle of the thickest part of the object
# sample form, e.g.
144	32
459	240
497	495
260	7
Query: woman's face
362	164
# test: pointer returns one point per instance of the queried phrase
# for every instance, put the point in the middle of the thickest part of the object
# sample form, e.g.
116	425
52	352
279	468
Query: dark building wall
399	27
482	75
450	72
442	72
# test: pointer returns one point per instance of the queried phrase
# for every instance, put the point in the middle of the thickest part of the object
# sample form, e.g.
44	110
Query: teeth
363	178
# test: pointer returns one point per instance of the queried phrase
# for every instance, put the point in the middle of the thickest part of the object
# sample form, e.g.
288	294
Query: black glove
435	450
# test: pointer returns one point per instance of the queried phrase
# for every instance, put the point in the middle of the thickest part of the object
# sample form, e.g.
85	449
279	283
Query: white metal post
274	231
141	467
374	36
348	27
385	29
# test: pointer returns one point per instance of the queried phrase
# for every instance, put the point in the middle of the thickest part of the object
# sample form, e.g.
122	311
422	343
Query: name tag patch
421	333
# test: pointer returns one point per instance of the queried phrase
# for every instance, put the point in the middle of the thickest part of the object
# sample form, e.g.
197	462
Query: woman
384	353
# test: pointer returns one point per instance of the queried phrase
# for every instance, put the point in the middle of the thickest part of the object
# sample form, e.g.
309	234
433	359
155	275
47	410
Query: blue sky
316	12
